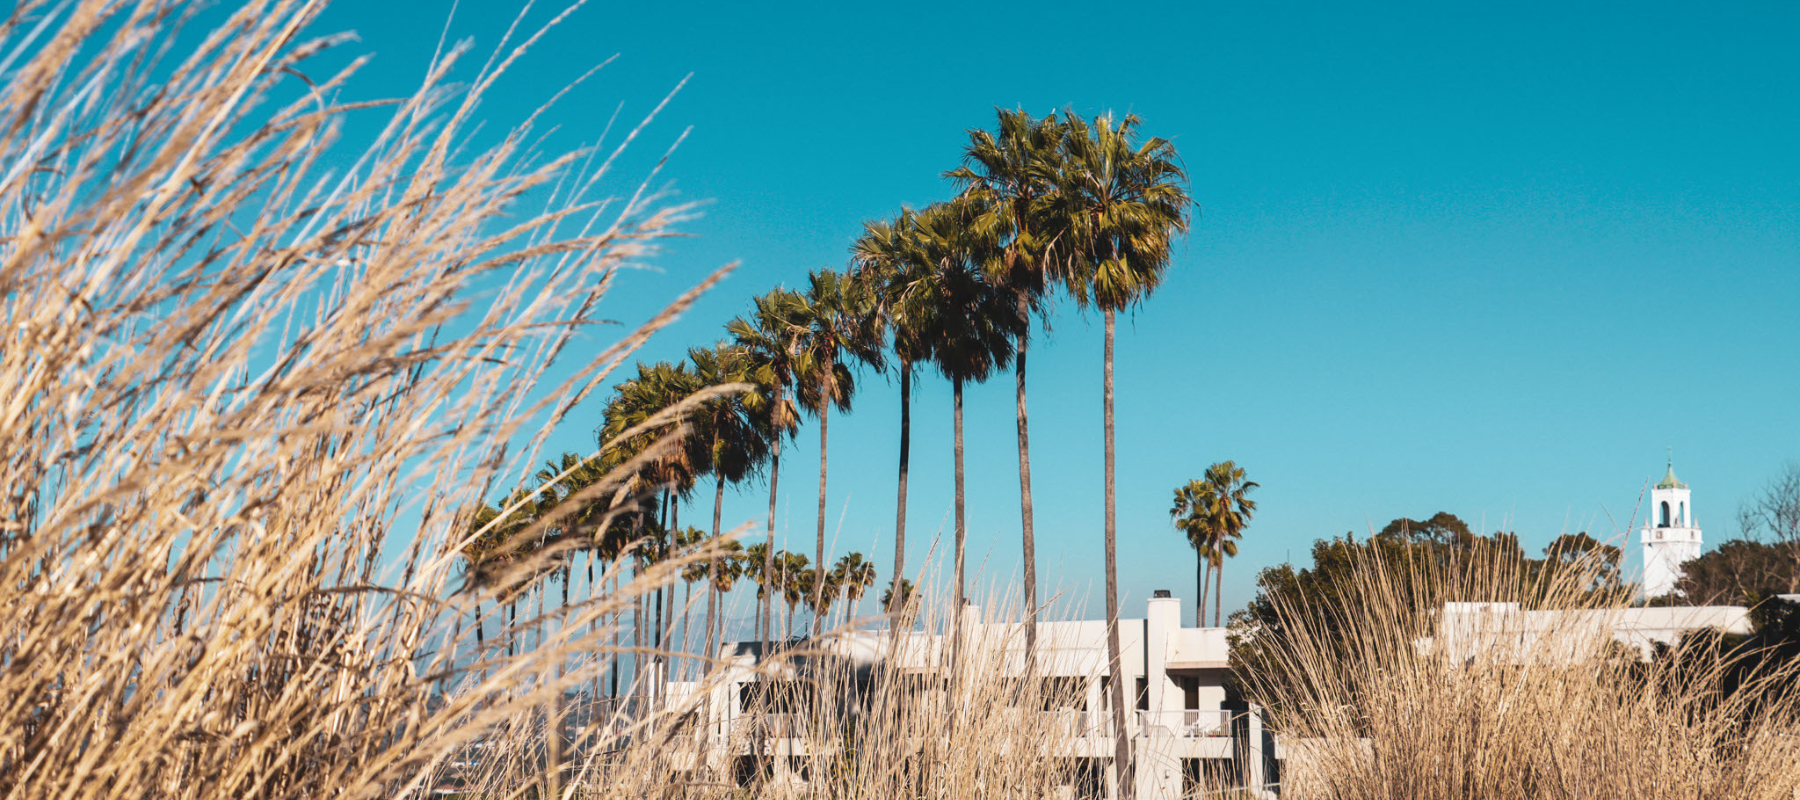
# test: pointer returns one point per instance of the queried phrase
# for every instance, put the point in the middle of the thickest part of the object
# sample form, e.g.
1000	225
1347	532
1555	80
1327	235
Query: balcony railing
1189	724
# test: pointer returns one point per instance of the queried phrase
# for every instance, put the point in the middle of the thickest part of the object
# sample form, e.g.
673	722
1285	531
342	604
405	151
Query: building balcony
1189	724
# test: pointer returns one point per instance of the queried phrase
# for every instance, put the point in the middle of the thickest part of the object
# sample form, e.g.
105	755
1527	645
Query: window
1665	515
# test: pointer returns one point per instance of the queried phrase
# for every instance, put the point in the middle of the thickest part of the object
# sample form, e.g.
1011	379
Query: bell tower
1671	537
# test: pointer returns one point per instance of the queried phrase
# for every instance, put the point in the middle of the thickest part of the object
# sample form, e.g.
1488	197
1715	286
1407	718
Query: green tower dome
1669	480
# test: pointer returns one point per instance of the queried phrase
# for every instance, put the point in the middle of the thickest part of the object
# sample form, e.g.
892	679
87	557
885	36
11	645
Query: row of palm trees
1212	511
1057	206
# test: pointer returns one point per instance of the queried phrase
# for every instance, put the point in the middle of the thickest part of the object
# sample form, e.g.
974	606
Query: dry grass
1390	706
833	723
248	399
251	399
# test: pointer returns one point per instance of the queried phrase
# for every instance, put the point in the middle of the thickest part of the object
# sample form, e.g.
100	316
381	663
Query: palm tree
1192	516
852	575
770	337
1008	179
840	331
757	558
1122	202
794	582
723	574
884	264
672	473
1229	509
476	555
501	545
736	440
821	599
973	326
892	599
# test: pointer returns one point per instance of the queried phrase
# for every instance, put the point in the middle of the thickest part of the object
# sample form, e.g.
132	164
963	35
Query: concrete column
1161	620
1158	762
1255	776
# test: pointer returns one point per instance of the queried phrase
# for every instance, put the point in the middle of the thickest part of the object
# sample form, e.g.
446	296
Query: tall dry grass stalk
255	376
1401	700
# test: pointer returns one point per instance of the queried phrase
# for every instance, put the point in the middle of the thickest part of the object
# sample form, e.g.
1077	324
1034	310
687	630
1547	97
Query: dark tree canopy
1738	572
1425	563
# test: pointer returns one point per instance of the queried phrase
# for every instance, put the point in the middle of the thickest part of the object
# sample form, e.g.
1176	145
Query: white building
1466	629
1181	730
1671	536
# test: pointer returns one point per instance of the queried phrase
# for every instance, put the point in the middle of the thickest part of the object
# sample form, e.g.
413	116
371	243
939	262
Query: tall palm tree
840	332
770	337
672	473
1123	202
1188	512
853	576
1009	179
1229	509
885	266
736	441
973	326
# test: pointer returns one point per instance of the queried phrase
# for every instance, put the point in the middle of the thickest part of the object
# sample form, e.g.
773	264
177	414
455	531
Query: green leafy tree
1737	572
1421	566
1122	201
1598	561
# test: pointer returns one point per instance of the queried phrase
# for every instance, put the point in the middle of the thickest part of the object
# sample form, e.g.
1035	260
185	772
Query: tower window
1665	515
1682	518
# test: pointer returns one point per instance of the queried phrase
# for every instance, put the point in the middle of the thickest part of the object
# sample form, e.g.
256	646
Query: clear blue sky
1491	262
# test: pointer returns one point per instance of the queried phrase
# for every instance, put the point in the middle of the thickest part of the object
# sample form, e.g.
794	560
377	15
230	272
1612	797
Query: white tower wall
1671	536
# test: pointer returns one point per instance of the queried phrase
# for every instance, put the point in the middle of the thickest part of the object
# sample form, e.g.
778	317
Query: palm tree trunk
1219	588
594	686
480	637
712	581
819	566
1201	573
905	457
1121	738
1030	538
687	626
768	600
637	628
616	626
957	618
